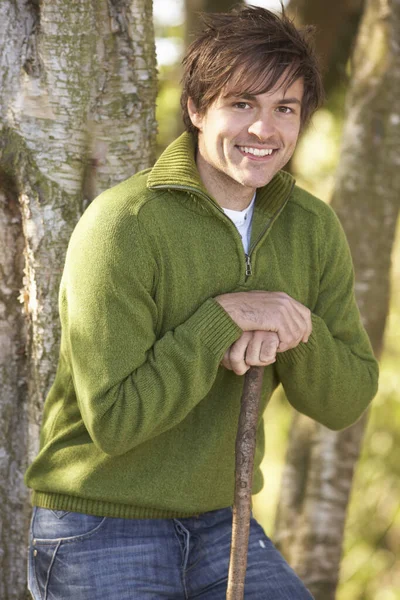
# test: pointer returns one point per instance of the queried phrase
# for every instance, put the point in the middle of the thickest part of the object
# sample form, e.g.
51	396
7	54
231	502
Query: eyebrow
254	99
289	101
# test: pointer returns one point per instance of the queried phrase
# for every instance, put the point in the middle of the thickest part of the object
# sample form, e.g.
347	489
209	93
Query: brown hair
247	51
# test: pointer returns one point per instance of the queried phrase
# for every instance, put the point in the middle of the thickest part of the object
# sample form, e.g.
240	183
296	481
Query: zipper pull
248	265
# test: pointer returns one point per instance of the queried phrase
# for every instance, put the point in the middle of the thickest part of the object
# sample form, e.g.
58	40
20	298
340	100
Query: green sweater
141	419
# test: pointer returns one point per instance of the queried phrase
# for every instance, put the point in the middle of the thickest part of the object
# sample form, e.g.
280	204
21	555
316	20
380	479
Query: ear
194	115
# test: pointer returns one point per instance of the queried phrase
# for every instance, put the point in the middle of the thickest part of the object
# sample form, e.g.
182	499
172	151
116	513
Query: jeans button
35	553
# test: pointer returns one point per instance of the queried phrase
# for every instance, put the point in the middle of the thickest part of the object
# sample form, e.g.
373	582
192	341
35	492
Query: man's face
245	140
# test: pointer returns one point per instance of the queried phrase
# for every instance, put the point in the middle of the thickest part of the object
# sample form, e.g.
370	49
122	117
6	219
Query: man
175	283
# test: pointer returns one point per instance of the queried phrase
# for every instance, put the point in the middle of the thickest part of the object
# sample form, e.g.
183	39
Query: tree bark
314	497
336	28
77	104
194	7
13	406
245	448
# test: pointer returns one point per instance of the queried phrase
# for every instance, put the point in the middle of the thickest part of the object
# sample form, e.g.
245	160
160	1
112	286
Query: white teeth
256	151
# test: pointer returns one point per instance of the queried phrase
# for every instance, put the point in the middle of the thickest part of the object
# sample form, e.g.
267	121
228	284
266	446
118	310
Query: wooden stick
245	450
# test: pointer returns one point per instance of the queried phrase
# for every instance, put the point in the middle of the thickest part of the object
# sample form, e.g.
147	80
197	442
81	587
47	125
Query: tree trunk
194	7
336	28
77	104
320	463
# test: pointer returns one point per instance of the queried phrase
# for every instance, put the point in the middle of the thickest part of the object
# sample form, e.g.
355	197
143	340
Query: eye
242	105
286	110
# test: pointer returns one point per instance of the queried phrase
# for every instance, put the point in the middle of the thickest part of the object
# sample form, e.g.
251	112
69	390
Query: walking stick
244	450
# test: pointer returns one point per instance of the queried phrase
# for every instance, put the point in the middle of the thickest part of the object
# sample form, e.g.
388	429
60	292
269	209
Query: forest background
78	85
370	568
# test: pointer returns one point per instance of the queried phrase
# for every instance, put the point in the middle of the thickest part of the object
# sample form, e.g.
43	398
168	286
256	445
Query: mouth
257	154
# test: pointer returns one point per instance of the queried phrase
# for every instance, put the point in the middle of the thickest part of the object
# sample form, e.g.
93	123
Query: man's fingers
305	316
234	357
269	348
290	327
283	315
225	362
293	323
269	311
256	348
290	324
237	353
261	349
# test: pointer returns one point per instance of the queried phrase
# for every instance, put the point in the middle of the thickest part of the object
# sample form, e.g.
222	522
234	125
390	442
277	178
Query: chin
255	180
256	183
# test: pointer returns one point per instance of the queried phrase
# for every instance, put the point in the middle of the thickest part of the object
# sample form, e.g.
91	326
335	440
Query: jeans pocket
54	533
49	526
40	562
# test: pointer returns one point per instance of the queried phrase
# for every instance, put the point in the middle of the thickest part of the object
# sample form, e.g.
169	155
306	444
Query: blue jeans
74	556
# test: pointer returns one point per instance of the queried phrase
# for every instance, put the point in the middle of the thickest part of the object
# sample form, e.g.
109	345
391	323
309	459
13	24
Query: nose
263	127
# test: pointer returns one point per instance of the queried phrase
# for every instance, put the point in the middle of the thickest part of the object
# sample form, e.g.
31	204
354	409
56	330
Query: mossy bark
320	463
77	115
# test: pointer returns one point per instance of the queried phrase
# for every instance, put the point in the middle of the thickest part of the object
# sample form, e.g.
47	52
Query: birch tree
77	98
320	463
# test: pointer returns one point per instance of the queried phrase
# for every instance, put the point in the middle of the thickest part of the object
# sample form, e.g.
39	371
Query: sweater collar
176	169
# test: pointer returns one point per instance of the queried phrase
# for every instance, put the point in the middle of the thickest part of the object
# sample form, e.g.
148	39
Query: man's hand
269	311
253	348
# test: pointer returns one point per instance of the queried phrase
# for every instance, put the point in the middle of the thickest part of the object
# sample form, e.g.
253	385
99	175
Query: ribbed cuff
301	351
214	326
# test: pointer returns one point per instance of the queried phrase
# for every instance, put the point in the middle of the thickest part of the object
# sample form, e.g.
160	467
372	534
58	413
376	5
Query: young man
175	283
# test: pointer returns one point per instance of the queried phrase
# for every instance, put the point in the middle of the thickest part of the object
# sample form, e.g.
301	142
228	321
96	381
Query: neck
227	192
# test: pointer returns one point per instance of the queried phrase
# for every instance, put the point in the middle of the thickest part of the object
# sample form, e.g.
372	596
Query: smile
257	151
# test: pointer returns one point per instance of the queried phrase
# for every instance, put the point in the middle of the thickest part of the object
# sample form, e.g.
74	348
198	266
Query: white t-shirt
242	219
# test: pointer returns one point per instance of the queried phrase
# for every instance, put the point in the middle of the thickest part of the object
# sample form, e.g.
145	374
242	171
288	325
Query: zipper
249	269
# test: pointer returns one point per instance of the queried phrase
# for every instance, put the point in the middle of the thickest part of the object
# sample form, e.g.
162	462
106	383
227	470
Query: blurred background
370	568
77	95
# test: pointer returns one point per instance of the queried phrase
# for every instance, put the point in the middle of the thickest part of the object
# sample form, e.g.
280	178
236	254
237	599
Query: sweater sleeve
333	377
131	386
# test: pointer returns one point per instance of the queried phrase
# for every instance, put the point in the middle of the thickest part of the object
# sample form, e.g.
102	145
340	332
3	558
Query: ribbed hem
214	326
301	351
99	508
